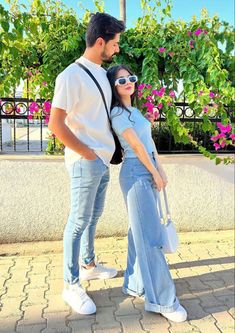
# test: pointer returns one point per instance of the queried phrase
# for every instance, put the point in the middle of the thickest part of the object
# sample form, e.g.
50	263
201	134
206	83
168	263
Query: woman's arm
159	165
131	137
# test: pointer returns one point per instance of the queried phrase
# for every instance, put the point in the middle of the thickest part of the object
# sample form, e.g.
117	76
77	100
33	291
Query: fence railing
18	133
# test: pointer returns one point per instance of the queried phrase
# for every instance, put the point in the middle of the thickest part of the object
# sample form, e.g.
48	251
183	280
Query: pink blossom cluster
154	102
222	135
196	33
34	110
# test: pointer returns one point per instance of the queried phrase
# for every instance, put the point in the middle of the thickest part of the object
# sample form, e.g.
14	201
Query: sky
184	9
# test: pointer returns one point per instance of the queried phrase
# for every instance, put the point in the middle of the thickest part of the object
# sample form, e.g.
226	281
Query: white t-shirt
77	94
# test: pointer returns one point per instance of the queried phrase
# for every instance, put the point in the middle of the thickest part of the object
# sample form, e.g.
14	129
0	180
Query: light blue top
122	119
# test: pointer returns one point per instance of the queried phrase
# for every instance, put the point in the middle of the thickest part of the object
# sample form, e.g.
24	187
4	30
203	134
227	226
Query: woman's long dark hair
112	76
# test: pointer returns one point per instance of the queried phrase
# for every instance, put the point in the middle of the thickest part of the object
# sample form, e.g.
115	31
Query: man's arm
65	135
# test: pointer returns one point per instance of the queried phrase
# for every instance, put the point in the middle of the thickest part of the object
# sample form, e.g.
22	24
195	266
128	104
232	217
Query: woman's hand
163	176
158	181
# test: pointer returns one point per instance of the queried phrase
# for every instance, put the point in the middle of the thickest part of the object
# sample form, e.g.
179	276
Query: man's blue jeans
89	180
147	272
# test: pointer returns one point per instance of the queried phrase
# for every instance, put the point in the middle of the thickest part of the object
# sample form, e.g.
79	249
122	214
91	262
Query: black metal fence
19	133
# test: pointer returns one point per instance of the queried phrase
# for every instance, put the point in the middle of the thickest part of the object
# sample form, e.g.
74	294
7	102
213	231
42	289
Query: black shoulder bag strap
98	86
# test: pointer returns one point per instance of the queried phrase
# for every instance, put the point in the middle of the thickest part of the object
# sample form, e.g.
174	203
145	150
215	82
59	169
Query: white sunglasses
121	81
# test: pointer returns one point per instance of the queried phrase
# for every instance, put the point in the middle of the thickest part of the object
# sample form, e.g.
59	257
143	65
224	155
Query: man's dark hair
102	25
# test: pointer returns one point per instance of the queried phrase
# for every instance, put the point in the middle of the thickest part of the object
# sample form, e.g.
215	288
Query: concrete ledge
34	197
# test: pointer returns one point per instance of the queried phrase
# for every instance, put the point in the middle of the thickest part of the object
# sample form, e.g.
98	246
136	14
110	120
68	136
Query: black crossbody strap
98	86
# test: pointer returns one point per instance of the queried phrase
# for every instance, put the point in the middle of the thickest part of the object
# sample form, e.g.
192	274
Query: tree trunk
123	10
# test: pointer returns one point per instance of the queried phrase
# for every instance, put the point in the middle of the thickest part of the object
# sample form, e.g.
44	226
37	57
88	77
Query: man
78	118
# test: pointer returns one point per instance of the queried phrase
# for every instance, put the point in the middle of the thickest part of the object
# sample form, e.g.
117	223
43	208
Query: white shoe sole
66	300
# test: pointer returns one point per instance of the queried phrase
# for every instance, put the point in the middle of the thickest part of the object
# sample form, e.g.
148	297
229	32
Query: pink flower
217	146
154	92
223	143
211	94
189	33
45	83
169	104
149	106
201	92
156	114
198	32
205	32
224	129
161	92
47	106
172	94
140	94
149	98
161	49
218	136
191	44
160	105
141	86
33	107
0	102
18	110
206	109
171	54
30	117
232	136
148	86
47	119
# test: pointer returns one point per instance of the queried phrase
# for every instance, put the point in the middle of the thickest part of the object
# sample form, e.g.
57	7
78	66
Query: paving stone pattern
31	284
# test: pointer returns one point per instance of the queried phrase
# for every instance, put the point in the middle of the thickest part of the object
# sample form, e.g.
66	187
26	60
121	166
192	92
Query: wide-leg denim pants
147	272
89	180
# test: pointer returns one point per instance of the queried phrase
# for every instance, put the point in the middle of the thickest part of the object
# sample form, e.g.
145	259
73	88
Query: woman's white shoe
178	316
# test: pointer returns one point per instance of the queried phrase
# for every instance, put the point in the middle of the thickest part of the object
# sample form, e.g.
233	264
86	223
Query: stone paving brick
11	307
125	306
37	281
232	312
8	324
131	324
105	320
108	330
96	285
56	322
184	327
35	297
82	326
153	322
55	303
207	300
224	321
206	324
184	272
32	315
101	298
15	290
55	286
194	309
36	328
227	300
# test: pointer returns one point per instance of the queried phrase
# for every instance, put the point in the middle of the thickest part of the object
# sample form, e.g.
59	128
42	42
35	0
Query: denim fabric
89	180
147	272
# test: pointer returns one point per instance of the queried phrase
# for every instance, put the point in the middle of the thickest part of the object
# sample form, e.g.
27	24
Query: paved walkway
31	283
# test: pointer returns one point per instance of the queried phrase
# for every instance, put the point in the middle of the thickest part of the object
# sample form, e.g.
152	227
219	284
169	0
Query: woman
147	274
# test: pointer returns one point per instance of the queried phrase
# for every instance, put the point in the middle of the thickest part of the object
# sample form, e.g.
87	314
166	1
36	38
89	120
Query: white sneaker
178	316
75	296
97	272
